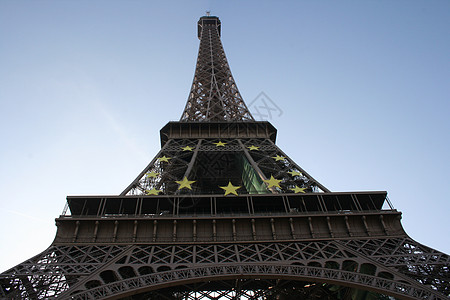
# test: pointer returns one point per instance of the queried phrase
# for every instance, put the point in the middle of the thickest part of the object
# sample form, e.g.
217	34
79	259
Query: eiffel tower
222	213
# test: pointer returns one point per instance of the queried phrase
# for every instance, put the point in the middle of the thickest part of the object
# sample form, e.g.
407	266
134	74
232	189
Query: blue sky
87	85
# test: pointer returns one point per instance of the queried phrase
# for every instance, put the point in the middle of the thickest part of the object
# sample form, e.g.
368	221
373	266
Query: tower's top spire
214	95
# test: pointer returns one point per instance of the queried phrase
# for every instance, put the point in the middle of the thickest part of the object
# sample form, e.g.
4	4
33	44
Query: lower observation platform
212	205
192	219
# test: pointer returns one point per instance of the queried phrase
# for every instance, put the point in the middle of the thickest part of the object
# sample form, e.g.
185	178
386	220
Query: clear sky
85	87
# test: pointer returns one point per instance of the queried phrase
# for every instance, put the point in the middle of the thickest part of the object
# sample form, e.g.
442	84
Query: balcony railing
219	205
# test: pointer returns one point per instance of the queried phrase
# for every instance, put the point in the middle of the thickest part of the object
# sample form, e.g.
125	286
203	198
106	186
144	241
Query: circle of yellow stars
230	188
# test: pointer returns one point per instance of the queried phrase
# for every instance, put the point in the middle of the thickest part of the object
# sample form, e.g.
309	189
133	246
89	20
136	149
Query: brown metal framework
282	235
214	95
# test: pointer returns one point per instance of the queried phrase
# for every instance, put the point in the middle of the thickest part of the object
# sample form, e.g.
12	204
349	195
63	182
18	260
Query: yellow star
253	147
152	174
153	192
298	190
273	182
277	158
220	144
164	158
230	189
295	173
185	183
187	148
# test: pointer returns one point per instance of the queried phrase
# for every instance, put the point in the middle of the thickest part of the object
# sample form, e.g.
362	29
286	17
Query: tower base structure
290	246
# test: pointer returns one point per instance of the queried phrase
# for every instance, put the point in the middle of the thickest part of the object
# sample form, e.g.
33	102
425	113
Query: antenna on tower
208	13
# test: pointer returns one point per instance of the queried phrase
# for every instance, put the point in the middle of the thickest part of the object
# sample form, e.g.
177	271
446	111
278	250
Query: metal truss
385	266
174	233
214	94
205	161
246	289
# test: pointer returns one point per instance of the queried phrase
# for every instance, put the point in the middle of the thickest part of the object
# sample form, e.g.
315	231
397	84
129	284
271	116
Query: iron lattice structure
214	95
222	213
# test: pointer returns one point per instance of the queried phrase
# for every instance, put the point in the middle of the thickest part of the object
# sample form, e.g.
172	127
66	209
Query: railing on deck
219	205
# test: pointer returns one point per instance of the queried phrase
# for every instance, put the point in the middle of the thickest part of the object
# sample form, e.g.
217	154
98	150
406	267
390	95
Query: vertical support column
176	205
174	232
212	201
194	230
252	208
233	222
364	219
383	224
330	229
272	226
347	225
95	232
291	225
311	227
253	229
135	230
214	230
116	226
75	233
155	228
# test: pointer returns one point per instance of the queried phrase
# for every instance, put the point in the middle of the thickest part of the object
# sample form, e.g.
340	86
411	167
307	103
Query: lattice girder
204	160
332	262
214	94
182	277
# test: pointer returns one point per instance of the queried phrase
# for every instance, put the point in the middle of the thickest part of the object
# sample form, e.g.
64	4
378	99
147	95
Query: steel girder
391	266
214	94
205	160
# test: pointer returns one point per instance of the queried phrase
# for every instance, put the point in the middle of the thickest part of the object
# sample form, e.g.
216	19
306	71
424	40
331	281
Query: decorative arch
157	281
